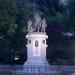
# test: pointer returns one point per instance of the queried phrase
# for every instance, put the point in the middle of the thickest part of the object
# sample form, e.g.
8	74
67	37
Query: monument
36	43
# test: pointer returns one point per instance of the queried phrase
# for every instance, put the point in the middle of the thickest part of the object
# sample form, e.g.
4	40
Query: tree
71	13
49	7
7	26
13	27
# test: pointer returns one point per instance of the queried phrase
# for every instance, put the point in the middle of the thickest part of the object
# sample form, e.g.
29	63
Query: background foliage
14	15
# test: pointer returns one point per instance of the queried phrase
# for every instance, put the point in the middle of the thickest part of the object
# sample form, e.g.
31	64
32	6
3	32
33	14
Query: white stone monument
36	43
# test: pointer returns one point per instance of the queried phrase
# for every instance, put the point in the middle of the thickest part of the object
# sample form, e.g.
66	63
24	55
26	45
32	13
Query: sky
64	1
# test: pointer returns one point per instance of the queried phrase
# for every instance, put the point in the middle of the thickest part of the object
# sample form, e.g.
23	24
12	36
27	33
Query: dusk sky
64	1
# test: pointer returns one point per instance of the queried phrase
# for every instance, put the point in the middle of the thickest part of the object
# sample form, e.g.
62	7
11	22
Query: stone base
36	66
38	62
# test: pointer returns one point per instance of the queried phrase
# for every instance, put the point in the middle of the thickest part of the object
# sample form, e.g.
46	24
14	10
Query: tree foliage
14	15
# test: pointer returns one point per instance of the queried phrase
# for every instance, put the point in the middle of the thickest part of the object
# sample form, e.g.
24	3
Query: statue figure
30	28
43	25
37	24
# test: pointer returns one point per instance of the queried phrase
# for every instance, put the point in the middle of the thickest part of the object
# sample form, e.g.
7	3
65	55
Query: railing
21	70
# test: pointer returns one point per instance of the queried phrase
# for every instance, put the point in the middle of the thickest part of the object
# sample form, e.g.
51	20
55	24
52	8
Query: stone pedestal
36	50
